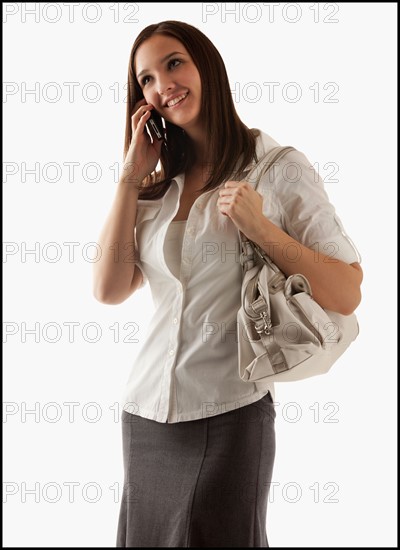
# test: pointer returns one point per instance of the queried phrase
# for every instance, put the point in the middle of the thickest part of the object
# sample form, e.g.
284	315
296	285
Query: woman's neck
199	144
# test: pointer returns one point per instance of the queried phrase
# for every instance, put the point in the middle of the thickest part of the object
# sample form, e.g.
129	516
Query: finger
141	110
138	104
142	121
232	183
223	204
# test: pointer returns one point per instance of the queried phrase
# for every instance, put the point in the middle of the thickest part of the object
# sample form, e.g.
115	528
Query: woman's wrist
131	172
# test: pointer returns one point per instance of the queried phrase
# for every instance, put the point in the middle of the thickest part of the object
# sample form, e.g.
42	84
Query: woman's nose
164	86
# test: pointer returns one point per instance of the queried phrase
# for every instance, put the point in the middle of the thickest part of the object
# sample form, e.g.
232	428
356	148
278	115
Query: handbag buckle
259	253
267	324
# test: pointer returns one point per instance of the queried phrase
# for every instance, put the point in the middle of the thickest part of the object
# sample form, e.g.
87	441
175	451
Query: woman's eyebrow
161	61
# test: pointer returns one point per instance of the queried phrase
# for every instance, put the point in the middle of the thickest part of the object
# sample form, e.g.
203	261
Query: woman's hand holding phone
142	151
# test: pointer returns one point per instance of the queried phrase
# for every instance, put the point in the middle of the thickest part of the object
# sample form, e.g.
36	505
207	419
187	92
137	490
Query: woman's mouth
174	103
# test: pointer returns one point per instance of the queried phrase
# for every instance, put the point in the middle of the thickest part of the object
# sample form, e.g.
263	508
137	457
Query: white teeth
176	100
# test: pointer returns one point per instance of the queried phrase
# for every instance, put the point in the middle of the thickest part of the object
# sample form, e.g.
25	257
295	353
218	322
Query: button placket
168	383
168	399
188	246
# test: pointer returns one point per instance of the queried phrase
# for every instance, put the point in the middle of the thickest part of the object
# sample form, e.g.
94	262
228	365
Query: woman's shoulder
264	142
264	138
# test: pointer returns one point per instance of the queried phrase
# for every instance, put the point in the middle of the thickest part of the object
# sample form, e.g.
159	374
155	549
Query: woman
198	442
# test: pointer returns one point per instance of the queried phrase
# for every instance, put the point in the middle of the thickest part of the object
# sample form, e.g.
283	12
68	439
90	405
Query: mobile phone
155	124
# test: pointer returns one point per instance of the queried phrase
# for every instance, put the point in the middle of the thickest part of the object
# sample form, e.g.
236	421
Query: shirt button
175	320
171	352
191	230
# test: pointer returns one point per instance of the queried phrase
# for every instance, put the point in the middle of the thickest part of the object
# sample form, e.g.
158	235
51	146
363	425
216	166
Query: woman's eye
173	61
145	78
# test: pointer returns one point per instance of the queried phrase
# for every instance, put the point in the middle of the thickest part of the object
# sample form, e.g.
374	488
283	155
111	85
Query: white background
357	453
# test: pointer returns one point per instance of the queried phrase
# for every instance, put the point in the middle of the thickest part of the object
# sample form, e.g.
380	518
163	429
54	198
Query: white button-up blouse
187	367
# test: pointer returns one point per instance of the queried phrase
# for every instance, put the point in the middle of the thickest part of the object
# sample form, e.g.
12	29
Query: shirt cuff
145	278
339	246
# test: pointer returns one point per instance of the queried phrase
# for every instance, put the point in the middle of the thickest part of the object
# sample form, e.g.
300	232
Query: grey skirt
201	483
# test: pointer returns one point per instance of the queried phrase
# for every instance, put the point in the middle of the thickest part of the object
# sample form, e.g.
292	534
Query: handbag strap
268	160
263	165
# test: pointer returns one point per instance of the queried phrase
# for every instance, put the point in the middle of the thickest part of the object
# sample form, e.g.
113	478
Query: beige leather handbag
283	333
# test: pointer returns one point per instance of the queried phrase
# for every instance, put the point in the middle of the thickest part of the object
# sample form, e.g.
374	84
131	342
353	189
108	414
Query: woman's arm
298	195
335	284
114	275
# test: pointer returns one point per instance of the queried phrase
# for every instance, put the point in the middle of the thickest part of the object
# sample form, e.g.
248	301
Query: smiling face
166	73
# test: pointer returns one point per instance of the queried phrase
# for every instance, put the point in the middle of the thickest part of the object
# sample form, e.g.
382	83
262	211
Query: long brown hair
228	138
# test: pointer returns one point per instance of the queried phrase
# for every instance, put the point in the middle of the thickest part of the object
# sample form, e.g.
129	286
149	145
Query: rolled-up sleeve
145	278
306	212
139	264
